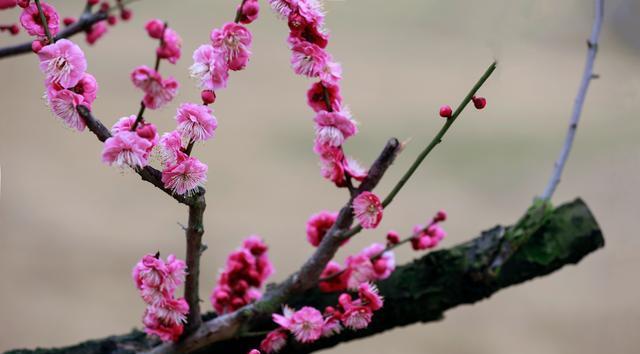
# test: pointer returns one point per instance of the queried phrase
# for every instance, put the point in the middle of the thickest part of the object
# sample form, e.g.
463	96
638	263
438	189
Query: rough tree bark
543	241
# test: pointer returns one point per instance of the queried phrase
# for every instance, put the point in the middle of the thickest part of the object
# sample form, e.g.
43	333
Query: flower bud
393	237
208	97
479	102
446	111
36	46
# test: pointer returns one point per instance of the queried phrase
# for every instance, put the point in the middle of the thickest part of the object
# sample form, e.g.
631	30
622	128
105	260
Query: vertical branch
587	76
194	232
43	19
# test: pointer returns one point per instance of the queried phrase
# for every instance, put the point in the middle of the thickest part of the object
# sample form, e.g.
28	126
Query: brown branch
422	290
147	173
84	23
227	326
194	232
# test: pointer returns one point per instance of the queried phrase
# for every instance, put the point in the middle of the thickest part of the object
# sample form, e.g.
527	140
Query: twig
587	76
43	19
147	173
194	233
84	23
434	142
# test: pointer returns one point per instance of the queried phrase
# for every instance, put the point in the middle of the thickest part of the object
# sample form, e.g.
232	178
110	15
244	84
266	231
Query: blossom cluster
67	84
429	236
157	282
371	264
240	281
309	324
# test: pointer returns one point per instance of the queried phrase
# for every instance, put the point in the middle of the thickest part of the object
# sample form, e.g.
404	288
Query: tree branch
424	289
194	232
84	23
587	76
147	173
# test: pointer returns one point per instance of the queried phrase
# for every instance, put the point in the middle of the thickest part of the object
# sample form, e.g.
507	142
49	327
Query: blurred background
71	228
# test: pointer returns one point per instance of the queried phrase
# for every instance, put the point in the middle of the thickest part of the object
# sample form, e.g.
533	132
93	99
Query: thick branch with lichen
542	242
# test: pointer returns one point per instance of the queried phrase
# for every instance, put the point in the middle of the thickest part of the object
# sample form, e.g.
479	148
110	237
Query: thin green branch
43	19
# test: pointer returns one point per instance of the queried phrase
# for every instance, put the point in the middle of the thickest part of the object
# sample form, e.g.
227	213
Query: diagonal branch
147	173
421	291
84	23
587	76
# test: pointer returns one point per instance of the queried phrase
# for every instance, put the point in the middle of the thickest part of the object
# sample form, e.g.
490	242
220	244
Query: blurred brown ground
71	228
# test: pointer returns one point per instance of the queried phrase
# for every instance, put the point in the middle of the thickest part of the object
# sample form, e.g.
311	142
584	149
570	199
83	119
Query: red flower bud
446	111
208	97
126	14
479	102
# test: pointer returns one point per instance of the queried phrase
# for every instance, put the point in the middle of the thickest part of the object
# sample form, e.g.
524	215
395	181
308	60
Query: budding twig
434	142
84	23
587	76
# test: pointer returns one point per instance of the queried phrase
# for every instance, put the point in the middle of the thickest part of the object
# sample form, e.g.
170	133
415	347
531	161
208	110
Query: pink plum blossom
333	128
170	145
30	20
209	68
195	122
126	148
87	87
185	176
63	104
317	100
305	324
384	263
331	164
166	321
171	46
274	341
63	63
158	91
336	278
370	296
233	40
284	7
150	271
354	169
248	11
367	209
96	31
308	59
427	237
357	317
318	225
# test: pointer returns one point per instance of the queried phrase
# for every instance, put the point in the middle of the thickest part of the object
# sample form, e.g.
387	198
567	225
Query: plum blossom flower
384	263
274	341
284	7
354	169
308	59
248	11
158	91
126	148
316	97
305	324
209	68
63	103
371	264
246	270
63	63
318	225
427	237
331	164
370	296
185	176
163	329
357	317
335	278
170	145
144	130
96	31
170	47
367	209
233	40
306	23
195	122
30	19
333	128
87	87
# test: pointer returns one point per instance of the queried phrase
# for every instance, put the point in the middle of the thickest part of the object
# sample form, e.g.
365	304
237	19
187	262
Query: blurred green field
71	228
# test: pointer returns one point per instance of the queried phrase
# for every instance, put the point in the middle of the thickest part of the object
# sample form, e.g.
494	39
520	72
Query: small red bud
68	21
104	7
393	237
36	46
440	216
112	20
23	3
93	2
14	29
479	102
126	14
446	111
208	97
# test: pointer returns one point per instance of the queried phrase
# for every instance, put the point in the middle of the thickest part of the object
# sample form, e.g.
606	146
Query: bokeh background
71	228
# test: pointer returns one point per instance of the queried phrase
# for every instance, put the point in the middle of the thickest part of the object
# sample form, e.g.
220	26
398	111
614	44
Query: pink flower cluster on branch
157	282
308	324
240	282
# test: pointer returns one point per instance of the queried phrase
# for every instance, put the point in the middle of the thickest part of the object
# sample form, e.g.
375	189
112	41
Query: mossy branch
541	242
